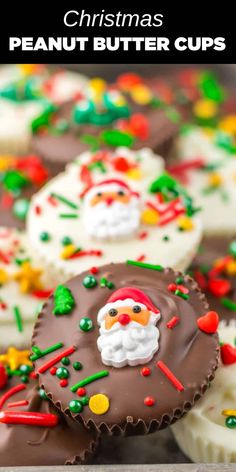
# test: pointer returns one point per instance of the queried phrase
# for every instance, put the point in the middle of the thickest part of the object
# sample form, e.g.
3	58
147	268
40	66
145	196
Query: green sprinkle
90	379
185	296
227	303
77	365
232	249
86	324
38	353
20	208
84	400
117	138
64	200
24	379
165	238
62	373
179	280
42	394
145	265
66	241
75	406
25	369
89	281
68	215
65	361
230	422
45	237
18	318
103	282
110	285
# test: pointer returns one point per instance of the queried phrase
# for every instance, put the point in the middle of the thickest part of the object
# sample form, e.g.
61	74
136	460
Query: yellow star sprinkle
28	278
6	162
215	179
205	109
14	358
3	277
228	124
141	94
134	174
231	268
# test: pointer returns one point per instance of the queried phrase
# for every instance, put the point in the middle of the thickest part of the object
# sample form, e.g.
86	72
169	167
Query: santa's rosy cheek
110	321
142	317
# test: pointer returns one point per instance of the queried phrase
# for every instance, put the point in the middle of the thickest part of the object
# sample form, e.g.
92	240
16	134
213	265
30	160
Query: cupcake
141	344
23	289
105	115
20	178
208	432
214	269
111	206
33	432
26	91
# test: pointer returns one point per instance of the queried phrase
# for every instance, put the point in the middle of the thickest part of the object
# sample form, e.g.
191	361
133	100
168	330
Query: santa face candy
23	288
111	206
20	177
141	346
32	431
106	115
26	91
208	432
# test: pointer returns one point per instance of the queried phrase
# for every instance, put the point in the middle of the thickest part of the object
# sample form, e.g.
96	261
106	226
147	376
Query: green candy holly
64	301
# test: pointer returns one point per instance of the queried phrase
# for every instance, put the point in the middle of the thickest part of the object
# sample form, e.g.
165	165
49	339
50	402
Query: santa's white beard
132	344
111	222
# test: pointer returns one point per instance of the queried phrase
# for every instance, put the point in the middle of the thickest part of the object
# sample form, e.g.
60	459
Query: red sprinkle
219	287
146	371
52	201
228	354
16	404
149	401
200	279
53	370
56	359
173	322
143	235
4	258
171	377
33	375
10	393
141	258
7	201
28	418
81	392
121	164
63	383
172	287
94	270
38	210
42	293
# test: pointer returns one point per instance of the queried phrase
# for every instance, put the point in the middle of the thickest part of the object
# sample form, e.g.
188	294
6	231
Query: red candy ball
53	370
63	383
149	401
81	392
145	371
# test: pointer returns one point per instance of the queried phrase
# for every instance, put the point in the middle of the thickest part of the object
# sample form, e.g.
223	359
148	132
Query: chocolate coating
188	352
20	445
61	149
213	248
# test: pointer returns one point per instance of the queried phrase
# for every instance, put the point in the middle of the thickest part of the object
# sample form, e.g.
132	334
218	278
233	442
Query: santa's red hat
127	296
113	183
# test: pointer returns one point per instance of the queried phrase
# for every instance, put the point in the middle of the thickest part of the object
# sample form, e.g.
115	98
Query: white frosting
177	252
132	344
219	205
10	292
66	85
202	433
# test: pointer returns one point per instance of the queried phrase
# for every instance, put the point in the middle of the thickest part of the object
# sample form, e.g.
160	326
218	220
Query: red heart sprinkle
228	354
209	322
219	287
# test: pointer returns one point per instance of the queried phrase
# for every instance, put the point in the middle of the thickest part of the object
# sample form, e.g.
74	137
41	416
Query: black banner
77	33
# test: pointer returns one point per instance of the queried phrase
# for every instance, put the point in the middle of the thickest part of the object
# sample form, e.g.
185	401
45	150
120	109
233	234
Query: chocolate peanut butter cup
140	343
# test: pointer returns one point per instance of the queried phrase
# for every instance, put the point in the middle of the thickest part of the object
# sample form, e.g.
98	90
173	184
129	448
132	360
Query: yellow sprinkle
14	358
185	223
97	85
99	404
134	174
215	179
205	109
141	94
28	69
6	162
231	268
150	217
228	124
28	278
229	412
3	277
68	251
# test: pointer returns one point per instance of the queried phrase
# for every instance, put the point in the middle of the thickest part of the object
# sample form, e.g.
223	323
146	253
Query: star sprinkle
14	358
28	278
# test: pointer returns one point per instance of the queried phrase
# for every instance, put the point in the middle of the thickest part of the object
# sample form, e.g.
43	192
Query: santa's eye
121	193
99	194
136	309
112	312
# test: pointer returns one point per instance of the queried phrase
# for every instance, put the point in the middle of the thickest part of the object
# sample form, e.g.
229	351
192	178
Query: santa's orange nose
109	201
124	319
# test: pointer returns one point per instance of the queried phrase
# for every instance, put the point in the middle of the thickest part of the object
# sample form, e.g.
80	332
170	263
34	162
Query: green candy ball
62	373
86	324
89	281
20	208
75	406
77	365
231	422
